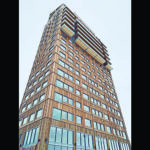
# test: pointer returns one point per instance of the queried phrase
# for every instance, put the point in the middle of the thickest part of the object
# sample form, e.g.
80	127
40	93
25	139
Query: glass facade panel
60	72
85	96
78	120
56	114
64	115
58	135
87	122
58	97
84	141
31	117
31	137
65	99
59	84
70	117
64	137
60	138
101	143
78	104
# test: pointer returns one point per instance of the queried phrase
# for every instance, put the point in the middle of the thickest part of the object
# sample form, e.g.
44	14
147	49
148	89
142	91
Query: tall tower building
70	102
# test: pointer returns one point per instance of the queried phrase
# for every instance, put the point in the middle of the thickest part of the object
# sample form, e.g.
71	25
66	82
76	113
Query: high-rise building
70	102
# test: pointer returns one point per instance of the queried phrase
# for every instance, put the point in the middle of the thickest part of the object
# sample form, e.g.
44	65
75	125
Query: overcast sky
110	20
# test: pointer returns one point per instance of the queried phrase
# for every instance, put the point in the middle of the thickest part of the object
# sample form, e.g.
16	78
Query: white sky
110	20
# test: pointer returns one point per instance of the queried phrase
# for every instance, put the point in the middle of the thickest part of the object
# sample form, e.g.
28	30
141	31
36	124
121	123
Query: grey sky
110	20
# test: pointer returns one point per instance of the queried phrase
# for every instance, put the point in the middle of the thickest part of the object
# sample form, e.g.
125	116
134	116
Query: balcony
68	15
85	37
67	30
89	34
87	48
109	67
66	22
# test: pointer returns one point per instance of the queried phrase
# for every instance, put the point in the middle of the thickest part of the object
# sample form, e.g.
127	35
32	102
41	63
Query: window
38	89
84	86
85	96
102	96
34	82
77	72
70	101
48	63
78	120
77	52
39	113
44	84
60	72
114	131
47	72
70	88
25	120
56	114
82	62
89	73
64	115
62	47
83	69
108	129
59	83
70	46
65	99
63	41
78	92
100	87
70	117
88	66
62	54
84	141
78	104
51	48
42	68
77	65
86	108
60	138
82	56
100	80
28	106
42	97
84	77
70	53
31	117
58	97
77	58
60	62
102	127
77	82
37	73
23	109
88	122
29	87
50	55
32	93
101	143
32	77
104	106
106	117
98	126
40	78
70	59
31	137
